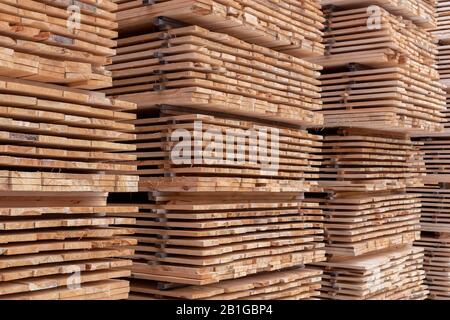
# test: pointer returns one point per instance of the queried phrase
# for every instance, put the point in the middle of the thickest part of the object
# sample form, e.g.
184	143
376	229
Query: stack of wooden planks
358	160
394	274
404	100
421	12
361	223
380	86
442	32
368	211
435	226
203	223
61	154
280	285
58	161
67	251
435	148
224	157
443	63
60	139
215	72
289	26
211	227
204	238
380	68
434	198
435	151
377	39
62	42
289	164
436	263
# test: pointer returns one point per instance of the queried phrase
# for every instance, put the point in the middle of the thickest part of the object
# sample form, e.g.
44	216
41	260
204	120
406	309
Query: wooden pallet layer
204	238
436	264
364	160
193	67
218	155
358	224
295	284
352	35
289	26
420	11
55	250
42	41
382	98
395	274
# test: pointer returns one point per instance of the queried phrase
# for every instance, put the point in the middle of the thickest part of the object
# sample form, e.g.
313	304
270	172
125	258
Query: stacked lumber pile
379	70
203	224
434	198
358	160
215	72
48	127
435	194
59	139
61	153
293	284
291	27
437	247
363	223
58	161
356	35
216	82
395	274
434	150
380	86
421	12
367	173
230	169
404	100
435	226
442	32
203	238
58	41
69	251
443	63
